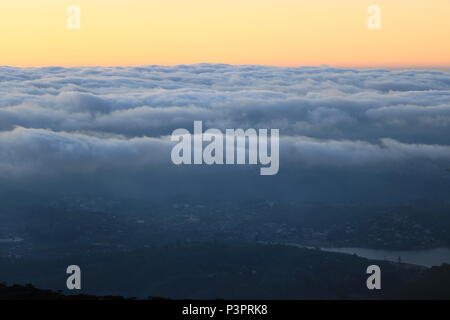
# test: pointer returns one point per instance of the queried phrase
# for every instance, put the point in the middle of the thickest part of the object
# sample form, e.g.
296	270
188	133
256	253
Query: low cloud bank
56	122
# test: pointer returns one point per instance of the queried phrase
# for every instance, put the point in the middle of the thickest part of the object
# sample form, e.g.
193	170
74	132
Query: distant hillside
223	271
434	284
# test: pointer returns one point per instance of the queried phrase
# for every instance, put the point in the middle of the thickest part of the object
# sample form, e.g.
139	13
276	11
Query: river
428	257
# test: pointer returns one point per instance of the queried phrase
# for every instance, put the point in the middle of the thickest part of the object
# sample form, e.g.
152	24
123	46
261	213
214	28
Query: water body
428	257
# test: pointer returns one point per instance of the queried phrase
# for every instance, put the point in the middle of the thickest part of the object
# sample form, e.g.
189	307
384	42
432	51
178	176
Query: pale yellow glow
271	32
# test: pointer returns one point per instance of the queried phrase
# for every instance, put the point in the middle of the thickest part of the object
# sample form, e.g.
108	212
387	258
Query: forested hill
224	271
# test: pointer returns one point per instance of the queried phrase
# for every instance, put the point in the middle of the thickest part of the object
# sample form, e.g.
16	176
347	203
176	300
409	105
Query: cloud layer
88	120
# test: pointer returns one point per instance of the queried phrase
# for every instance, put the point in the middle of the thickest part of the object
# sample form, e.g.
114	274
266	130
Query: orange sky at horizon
413	33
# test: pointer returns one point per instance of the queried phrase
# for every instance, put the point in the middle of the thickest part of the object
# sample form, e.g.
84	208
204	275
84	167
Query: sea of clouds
337	126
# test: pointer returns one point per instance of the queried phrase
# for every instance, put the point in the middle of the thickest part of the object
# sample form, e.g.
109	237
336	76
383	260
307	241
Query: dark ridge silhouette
29	292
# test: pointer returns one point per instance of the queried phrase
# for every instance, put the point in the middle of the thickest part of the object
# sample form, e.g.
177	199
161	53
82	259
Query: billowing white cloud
29	151
154	100
59	120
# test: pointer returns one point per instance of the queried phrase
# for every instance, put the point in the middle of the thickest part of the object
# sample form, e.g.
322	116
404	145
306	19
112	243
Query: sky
268	32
